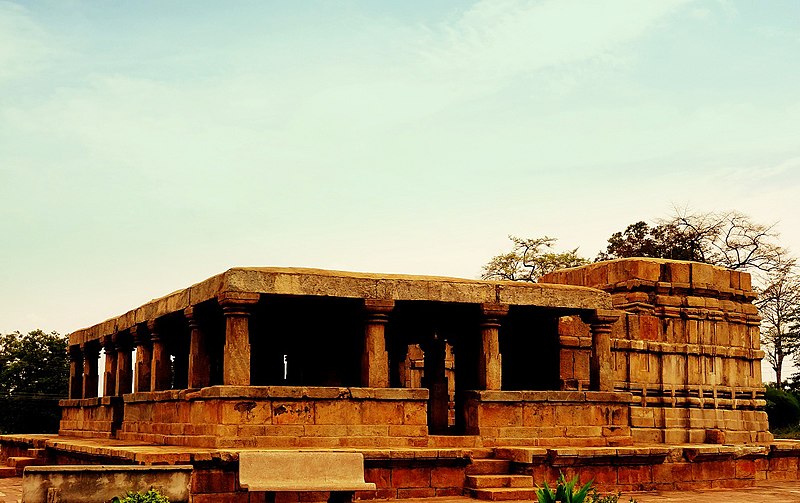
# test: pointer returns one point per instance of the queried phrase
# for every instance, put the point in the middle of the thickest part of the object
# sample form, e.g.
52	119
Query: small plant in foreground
569	492
565	491
596	497
151	496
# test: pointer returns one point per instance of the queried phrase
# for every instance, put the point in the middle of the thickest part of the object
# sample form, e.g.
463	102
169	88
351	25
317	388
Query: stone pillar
91	352
435	379
75	372
490	371
236	307
144	359
124	364
375	358
601	367
160	369
110	374
199	357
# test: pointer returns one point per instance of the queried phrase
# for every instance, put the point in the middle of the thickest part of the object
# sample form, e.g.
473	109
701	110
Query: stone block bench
340	473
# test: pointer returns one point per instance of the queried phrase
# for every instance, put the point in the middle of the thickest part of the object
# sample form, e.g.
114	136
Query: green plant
565	491
568	492
151	496
596	497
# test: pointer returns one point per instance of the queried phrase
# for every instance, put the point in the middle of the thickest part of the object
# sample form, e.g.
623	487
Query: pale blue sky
145	146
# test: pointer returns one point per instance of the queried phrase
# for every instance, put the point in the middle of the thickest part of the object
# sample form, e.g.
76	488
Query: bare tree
529	259
729	239
779	306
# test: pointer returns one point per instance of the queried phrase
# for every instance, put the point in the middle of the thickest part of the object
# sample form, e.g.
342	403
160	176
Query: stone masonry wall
278	416
687	349
545	418
90	417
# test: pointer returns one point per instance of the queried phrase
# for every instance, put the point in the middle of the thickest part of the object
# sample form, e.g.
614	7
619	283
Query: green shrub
565	492
569	492
782	408
151	496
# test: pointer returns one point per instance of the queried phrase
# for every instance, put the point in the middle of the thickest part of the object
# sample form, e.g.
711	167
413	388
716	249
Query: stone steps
503	493
489	466
498	481
7	472
491	479
36	453
20	462
16	464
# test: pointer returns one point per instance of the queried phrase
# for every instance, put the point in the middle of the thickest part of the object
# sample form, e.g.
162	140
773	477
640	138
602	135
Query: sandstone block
702	275
338	412
294	412
447	476
634	474
498	414
678	272
538	415
404	477
415	413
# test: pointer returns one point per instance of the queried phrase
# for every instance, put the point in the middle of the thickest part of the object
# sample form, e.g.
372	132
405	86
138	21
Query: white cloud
24	45
499	40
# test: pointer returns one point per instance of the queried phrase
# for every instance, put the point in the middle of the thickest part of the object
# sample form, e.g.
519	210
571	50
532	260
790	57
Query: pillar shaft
124	365
601	368
435	379
199	357
144	359
160	368
490	366
375	358
91	352
236	307
75	372
110	374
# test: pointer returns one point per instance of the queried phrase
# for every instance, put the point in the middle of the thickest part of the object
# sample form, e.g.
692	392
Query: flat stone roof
341	284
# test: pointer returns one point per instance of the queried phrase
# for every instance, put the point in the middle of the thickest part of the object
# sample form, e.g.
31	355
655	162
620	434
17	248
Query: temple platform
438	471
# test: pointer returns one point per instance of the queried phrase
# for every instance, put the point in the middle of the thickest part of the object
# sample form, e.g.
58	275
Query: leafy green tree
782	408
530	259
642	240
34	372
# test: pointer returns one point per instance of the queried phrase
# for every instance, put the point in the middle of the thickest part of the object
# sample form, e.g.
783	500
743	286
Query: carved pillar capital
190	313
602	318
90	349
601	368
153	328
108	344
237	303
493	313
140	335
75	353
122	341
378	310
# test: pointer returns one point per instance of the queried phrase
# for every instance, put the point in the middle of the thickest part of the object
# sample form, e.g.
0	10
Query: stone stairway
491	479
15	464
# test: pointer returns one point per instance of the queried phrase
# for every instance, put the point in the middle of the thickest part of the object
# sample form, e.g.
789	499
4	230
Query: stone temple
640	373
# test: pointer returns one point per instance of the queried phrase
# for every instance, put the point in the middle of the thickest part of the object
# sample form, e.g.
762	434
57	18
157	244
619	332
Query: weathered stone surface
302	471
43	484
317	282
